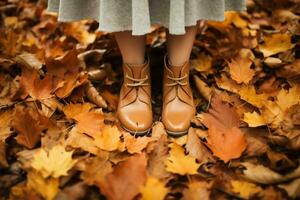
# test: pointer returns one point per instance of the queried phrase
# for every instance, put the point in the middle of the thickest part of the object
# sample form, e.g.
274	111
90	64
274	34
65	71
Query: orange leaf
226	145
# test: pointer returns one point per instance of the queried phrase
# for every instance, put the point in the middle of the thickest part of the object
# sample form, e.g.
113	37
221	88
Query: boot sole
176	134
136	133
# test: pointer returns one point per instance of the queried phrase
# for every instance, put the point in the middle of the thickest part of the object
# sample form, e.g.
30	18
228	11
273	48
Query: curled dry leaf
292	188
94	96
261	174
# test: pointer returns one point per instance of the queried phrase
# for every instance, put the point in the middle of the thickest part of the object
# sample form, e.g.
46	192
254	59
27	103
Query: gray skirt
139	15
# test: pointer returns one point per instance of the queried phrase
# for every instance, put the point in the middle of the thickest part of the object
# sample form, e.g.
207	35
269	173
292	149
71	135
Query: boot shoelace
137	81
177	81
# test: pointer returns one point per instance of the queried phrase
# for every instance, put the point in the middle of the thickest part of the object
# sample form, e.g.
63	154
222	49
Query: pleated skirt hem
139	15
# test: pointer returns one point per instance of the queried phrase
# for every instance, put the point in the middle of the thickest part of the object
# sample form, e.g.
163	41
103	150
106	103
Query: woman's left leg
178	105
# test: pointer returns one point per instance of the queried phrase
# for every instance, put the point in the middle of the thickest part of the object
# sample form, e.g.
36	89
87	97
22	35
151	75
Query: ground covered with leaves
60	139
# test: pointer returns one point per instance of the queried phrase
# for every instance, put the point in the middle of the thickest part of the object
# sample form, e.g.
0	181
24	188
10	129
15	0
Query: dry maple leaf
5	124
157	156
261	174
225	139
179	163
67	73
196	148
94	169
286	99
136	144
77	139
124	182
248	93
153	184
108	138
245	189
37	88
221	115
197	190
90	123
254	119
29	124
228	144
203	63
276	43
71	110
54	163
47	188
239	66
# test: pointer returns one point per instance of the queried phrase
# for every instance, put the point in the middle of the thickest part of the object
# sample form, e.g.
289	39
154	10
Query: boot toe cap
135	118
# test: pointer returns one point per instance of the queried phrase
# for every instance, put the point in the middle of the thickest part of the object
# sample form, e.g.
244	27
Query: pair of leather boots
135	109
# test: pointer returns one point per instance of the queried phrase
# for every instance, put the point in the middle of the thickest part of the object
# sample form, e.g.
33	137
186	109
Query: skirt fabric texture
139	15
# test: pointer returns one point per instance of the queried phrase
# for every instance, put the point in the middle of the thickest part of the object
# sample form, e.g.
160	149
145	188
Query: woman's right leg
134	107
132	47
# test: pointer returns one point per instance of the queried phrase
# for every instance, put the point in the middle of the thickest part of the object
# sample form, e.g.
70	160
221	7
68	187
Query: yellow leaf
235	18
179	163
77	139
276	43
72	110
249	94
203	63
108	138
272	114
286	99
47	188
154	189
254	119
245	189
54	163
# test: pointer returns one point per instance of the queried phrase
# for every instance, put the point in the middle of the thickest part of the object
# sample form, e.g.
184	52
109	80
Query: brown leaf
196	148
29	125
124	182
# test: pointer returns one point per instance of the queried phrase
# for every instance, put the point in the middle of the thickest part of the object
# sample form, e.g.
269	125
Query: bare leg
132	47
179	47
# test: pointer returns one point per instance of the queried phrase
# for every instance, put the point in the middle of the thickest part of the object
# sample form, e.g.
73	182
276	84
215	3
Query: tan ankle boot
178	105
134	108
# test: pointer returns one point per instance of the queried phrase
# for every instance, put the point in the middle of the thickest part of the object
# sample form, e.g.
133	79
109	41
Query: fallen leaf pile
60	138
